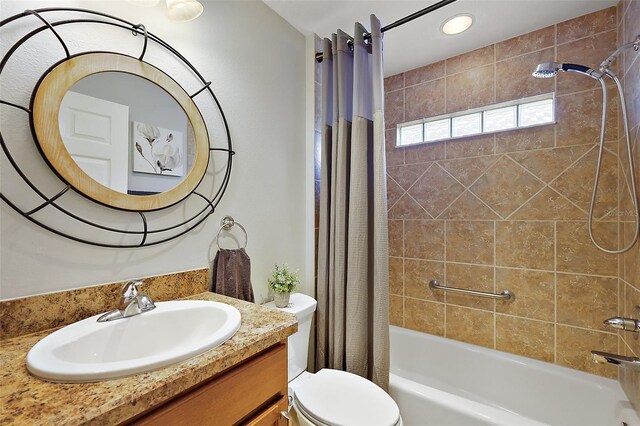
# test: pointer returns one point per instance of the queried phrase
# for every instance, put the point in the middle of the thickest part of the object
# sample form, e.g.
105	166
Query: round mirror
120	131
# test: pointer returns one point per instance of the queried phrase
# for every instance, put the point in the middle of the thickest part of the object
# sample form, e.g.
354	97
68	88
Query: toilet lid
344	399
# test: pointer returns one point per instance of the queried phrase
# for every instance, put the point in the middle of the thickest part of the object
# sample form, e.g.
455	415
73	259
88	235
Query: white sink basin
89	351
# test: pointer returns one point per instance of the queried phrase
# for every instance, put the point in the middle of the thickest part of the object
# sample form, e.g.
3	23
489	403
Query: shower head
551	69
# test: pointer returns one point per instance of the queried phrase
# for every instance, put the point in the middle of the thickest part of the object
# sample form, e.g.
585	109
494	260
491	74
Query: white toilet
331	397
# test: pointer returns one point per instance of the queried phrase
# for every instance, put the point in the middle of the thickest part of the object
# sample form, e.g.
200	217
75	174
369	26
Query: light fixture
144	3
183	10
457	24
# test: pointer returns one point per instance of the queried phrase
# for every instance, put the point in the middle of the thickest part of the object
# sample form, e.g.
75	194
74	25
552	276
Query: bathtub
438	381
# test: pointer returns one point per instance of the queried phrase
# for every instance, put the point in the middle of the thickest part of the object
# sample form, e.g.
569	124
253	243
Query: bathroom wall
255	61
509	210
629	268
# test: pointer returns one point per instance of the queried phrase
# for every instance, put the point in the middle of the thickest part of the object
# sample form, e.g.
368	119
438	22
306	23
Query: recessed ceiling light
457	24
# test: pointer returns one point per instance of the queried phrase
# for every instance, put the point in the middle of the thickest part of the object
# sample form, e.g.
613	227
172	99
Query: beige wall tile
424	239
396	238
425	73
407	208
534	292
586	25
470	242
394	82
548	164
394	192
470	325
468	207
578	121
395	155
473	59
576	183
576	253
467	170
631	301
472	146
515	80
506	186
393	108
526	43
396	310
418	273
533	339
424	100
589	51
586	301
471	88
435	190
407	174
424	316
574	346
525	244
548	205
525	139
472	277
396	275
424	153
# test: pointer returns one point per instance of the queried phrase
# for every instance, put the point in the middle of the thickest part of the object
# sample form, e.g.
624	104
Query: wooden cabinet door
274	415
232	397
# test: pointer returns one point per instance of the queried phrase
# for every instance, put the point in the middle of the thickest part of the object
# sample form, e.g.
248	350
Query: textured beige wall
508	210
629	268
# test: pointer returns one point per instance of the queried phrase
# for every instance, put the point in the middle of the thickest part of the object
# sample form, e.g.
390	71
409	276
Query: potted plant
283	282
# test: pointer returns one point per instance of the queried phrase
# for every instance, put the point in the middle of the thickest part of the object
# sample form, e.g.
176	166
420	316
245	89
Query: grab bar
505	295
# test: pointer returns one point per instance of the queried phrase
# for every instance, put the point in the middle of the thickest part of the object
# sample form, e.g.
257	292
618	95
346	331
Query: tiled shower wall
629	268
508	210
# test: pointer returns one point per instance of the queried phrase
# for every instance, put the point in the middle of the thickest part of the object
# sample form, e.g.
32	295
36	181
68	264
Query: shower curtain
353	266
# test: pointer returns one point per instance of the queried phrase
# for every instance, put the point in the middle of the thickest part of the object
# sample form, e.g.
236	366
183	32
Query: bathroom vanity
242	381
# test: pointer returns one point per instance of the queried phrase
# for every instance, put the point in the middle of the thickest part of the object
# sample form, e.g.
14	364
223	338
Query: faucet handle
130	288
626	324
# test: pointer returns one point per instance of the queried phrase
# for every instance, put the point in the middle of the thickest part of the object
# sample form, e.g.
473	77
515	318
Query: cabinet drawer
235	395
271	415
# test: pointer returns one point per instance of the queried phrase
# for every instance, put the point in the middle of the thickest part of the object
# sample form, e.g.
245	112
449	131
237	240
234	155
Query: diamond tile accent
407	208
468	207
467	170
506	186
548	205
406	175
576	183
547	164
435	190
394	192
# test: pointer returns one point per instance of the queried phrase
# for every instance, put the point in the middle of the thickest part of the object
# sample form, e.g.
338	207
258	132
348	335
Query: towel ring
226	224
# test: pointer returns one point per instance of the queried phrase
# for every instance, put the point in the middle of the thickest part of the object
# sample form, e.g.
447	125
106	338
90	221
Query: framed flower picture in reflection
157	150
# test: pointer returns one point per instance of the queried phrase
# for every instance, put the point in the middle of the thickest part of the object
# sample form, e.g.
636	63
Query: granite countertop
25	399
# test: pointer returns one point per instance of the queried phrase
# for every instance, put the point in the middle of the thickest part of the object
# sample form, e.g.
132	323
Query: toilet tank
303	307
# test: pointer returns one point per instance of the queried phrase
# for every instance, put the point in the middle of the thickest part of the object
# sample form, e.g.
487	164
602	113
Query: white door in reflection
95	132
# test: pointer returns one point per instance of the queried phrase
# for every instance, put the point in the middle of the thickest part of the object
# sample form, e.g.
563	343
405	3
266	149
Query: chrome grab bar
504	295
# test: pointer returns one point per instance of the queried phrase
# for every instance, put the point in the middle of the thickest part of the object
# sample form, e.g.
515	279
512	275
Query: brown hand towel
232	274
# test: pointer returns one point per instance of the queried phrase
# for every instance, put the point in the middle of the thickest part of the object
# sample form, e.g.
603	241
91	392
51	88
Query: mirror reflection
127	133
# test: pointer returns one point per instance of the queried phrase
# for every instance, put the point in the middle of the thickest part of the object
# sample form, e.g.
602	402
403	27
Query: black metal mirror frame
164	234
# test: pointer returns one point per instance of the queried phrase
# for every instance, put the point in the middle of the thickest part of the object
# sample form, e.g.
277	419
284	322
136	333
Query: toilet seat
338	398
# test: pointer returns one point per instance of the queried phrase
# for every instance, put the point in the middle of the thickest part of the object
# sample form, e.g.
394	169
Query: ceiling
420	42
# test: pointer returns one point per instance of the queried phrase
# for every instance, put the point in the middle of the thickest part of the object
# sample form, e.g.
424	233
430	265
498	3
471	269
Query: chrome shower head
550	69
547	70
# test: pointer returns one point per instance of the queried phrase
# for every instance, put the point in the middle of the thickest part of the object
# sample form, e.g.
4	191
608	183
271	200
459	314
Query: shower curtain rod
403	21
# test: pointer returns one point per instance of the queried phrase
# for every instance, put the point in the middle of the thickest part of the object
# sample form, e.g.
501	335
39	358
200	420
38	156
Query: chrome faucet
600	357
131	303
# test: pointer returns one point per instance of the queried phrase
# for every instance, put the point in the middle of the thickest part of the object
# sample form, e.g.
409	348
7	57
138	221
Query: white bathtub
438	381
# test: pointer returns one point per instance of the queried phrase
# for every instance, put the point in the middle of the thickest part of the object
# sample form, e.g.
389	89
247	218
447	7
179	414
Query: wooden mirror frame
45	107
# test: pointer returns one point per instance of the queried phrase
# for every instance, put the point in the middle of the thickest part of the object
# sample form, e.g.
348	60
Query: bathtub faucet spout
608	358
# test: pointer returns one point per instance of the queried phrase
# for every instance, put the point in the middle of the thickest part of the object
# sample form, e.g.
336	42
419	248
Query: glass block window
465	125
527	112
